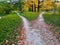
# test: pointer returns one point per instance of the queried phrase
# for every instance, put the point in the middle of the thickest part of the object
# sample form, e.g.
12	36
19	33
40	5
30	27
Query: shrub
58	9
5	8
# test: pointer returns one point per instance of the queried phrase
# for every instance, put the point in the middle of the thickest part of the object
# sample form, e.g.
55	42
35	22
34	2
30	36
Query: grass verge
54	21
8	26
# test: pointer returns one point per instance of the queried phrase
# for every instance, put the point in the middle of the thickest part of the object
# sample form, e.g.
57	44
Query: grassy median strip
30	15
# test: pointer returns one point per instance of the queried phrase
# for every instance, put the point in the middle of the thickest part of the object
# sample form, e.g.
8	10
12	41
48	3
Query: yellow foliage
47	5
29	3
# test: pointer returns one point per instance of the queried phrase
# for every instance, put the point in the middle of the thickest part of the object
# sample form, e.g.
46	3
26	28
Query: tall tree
38	5
20	5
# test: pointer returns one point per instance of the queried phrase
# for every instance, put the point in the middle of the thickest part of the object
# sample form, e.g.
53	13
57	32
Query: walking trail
36	33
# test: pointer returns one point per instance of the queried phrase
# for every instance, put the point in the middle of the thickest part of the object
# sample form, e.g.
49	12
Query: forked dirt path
36	33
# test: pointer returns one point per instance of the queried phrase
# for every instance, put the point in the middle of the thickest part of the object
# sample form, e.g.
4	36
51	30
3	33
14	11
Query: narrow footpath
36	33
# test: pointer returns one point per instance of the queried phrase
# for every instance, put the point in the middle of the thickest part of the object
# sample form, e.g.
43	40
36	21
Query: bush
58	9
5	8
1	9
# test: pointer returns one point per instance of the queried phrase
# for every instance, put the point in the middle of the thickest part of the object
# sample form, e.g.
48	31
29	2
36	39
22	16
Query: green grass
52	18
8	26
30	15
